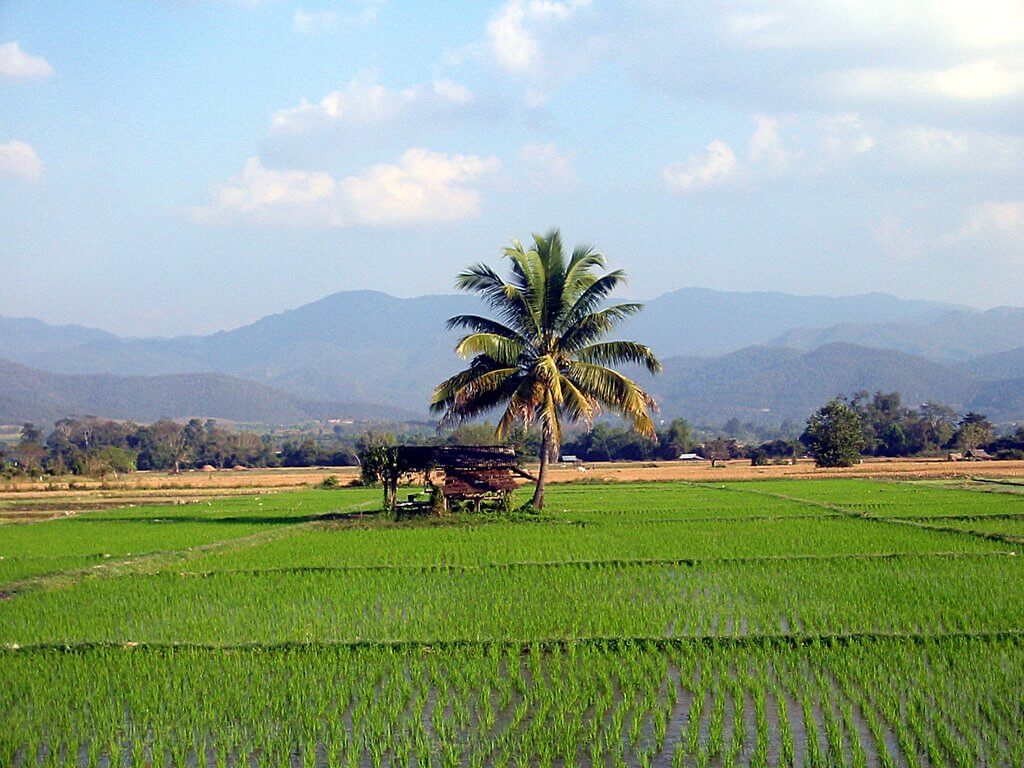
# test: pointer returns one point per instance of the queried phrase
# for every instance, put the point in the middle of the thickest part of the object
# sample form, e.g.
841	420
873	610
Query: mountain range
362	354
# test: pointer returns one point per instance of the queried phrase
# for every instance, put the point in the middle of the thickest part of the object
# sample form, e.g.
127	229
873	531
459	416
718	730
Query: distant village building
691	457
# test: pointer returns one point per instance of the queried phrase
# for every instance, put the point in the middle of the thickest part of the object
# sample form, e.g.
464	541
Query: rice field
764	623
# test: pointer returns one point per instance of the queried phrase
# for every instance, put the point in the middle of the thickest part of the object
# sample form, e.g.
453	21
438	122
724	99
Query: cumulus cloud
365	103
538	41
16	65
515	31
837	54
843	135
20	160
766	144
422	187
710	168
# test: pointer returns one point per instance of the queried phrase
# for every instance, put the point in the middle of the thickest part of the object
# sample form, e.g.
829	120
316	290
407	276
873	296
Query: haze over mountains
756	356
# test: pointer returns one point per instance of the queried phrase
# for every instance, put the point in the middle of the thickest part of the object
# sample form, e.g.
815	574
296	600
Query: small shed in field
978	454
458	472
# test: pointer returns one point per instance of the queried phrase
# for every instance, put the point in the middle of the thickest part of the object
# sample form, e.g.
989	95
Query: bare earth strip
142	486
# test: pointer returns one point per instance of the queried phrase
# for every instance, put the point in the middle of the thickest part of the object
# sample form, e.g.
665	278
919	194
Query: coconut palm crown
543	360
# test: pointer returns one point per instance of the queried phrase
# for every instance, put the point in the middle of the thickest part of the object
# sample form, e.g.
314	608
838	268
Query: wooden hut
459	472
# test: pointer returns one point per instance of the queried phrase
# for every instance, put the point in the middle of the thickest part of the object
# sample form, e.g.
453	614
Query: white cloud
914	57
450	91
364	103
945	151
422	187
997	222
969	24
19	159
992	229
515	31
15	64
982	80
766	144
546	166
274	197
843	135
541	42
713	167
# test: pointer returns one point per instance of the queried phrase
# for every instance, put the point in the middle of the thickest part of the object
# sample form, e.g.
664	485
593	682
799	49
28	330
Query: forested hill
27	394
768	355
770	384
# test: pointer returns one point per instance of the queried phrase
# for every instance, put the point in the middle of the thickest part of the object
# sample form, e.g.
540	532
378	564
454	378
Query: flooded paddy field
776	622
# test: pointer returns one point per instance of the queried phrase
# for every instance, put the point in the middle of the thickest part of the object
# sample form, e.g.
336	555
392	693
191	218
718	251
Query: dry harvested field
145	487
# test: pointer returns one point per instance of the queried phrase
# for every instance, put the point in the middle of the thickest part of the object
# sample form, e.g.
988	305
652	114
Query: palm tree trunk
546	449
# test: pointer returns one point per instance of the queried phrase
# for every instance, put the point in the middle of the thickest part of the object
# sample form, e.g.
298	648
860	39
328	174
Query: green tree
834	435
30	434
676	440
543	359
973	431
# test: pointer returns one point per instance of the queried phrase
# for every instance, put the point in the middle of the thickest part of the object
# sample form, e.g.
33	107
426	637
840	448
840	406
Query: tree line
845	429
101	447
840	432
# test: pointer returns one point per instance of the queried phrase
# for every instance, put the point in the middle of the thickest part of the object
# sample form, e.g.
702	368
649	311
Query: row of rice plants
902	595
669	501
856	703
504	543
52	546
887	498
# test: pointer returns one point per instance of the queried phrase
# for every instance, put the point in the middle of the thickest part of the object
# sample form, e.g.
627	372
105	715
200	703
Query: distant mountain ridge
953	337
770	384
27	394
726	353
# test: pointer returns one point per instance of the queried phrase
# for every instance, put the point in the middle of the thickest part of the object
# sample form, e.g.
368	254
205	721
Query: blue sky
177	167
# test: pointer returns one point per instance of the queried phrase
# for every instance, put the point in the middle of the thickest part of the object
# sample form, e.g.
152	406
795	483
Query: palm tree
543	359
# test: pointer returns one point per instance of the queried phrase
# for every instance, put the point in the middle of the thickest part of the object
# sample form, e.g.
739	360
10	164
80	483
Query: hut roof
446	457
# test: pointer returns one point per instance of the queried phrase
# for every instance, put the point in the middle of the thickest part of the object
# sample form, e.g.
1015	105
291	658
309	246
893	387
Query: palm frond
500	296
552	257
576	404
522	406
499	348
579	276
618	393
619	352
595	293
590	328
479	324
446	392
